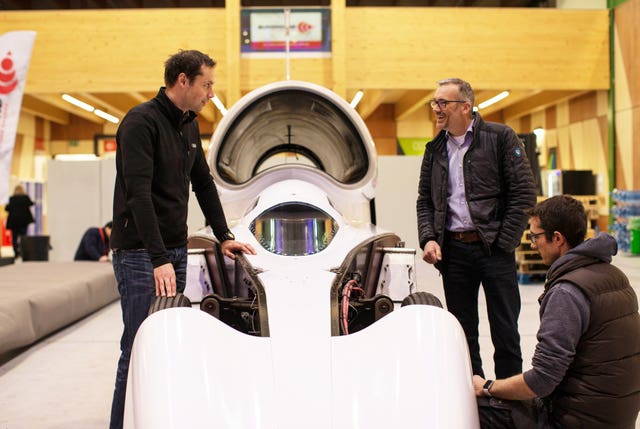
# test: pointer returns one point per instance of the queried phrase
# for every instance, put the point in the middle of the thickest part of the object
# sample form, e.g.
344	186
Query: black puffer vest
602	386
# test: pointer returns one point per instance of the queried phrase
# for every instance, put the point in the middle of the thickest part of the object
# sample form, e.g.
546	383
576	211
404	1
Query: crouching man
586	366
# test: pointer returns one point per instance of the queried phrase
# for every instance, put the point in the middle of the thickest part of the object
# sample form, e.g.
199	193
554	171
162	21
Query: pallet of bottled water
626	225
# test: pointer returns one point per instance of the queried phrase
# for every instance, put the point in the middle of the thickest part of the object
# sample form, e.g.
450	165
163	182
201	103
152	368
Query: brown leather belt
465	236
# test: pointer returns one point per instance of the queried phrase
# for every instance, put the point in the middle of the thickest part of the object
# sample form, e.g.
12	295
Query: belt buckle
466	236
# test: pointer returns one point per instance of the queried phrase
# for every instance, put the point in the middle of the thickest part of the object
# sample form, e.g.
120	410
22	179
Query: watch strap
228	235
487	385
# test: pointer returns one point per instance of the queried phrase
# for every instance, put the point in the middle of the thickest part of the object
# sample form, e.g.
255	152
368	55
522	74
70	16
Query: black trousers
16	237
464	267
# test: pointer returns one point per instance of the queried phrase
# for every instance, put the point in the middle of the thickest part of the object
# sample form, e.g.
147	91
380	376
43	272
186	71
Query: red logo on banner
8	81
303	27
109	145
5	234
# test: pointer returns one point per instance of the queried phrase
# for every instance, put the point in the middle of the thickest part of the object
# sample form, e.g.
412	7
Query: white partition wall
107	182
78	197
396	196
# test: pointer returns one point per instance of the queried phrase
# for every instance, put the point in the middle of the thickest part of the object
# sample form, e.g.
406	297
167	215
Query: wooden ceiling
519	103
141	4
398	64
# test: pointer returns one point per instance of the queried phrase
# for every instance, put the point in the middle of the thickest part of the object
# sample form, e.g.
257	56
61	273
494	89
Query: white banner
15	54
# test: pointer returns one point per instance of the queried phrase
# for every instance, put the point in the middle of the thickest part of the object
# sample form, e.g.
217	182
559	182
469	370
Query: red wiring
351	285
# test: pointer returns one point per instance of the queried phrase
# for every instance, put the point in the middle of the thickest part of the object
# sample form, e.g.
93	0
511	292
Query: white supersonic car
314	331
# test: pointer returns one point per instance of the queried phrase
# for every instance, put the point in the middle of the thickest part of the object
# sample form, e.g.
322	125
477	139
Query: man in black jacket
586	367
158	154
475	186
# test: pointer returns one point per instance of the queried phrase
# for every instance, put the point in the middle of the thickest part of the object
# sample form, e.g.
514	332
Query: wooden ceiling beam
539	101
57	101
513	98
371	99
208	112
97	101
412	101
138	97
44	110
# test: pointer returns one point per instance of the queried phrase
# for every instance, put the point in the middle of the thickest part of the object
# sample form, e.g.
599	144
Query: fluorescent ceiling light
356	99
107	116
76	157
218	103
78	103
493	100
89	108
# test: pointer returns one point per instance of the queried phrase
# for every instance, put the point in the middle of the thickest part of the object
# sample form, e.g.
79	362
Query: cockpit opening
294	229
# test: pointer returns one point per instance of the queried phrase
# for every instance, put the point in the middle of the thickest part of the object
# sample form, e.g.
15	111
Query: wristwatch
486	387
227	236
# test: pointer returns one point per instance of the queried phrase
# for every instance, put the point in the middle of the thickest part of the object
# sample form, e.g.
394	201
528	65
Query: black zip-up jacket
498	183
158	153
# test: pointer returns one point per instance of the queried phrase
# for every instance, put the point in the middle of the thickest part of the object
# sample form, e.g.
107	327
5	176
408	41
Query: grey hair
463	86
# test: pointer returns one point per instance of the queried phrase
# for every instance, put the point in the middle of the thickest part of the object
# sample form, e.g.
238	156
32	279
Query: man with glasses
475	187
586	366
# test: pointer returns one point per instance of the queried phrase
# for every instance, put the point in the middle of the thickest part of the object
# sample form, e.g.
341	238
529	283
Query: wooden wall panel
255	72
634	154
99	50
492	48
627	17
73	148
627	94
386	48
583	107
550	142
624	145
577	142
564	160
15	159
538	119
82	129
562	114
550	117
581	143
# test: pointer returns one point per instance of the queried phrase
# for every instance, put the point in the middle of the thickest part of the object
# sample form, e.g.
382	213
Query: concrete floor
66	380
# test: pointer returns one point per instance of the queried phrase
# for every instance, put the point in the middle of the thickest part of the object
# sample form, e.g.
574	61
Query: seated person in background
94	245
586	366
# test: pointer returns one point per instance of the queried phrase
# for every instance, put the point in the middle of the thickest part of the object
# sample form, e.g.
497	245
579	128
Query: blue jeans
134	274
464	267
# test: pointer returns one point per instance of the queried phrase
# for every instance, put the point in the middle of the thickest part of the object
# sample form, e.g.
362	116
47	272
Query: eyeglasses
534	237
442	104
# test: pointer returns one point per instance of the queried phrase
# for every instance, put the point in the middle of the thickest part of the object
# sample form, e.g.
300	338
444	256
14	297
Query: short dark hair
564	214
108	225
187	62
463	86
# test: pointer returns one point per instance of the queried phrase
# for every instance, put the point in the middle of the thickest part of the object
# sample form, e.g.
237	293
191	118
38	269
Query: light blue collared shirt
458	218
